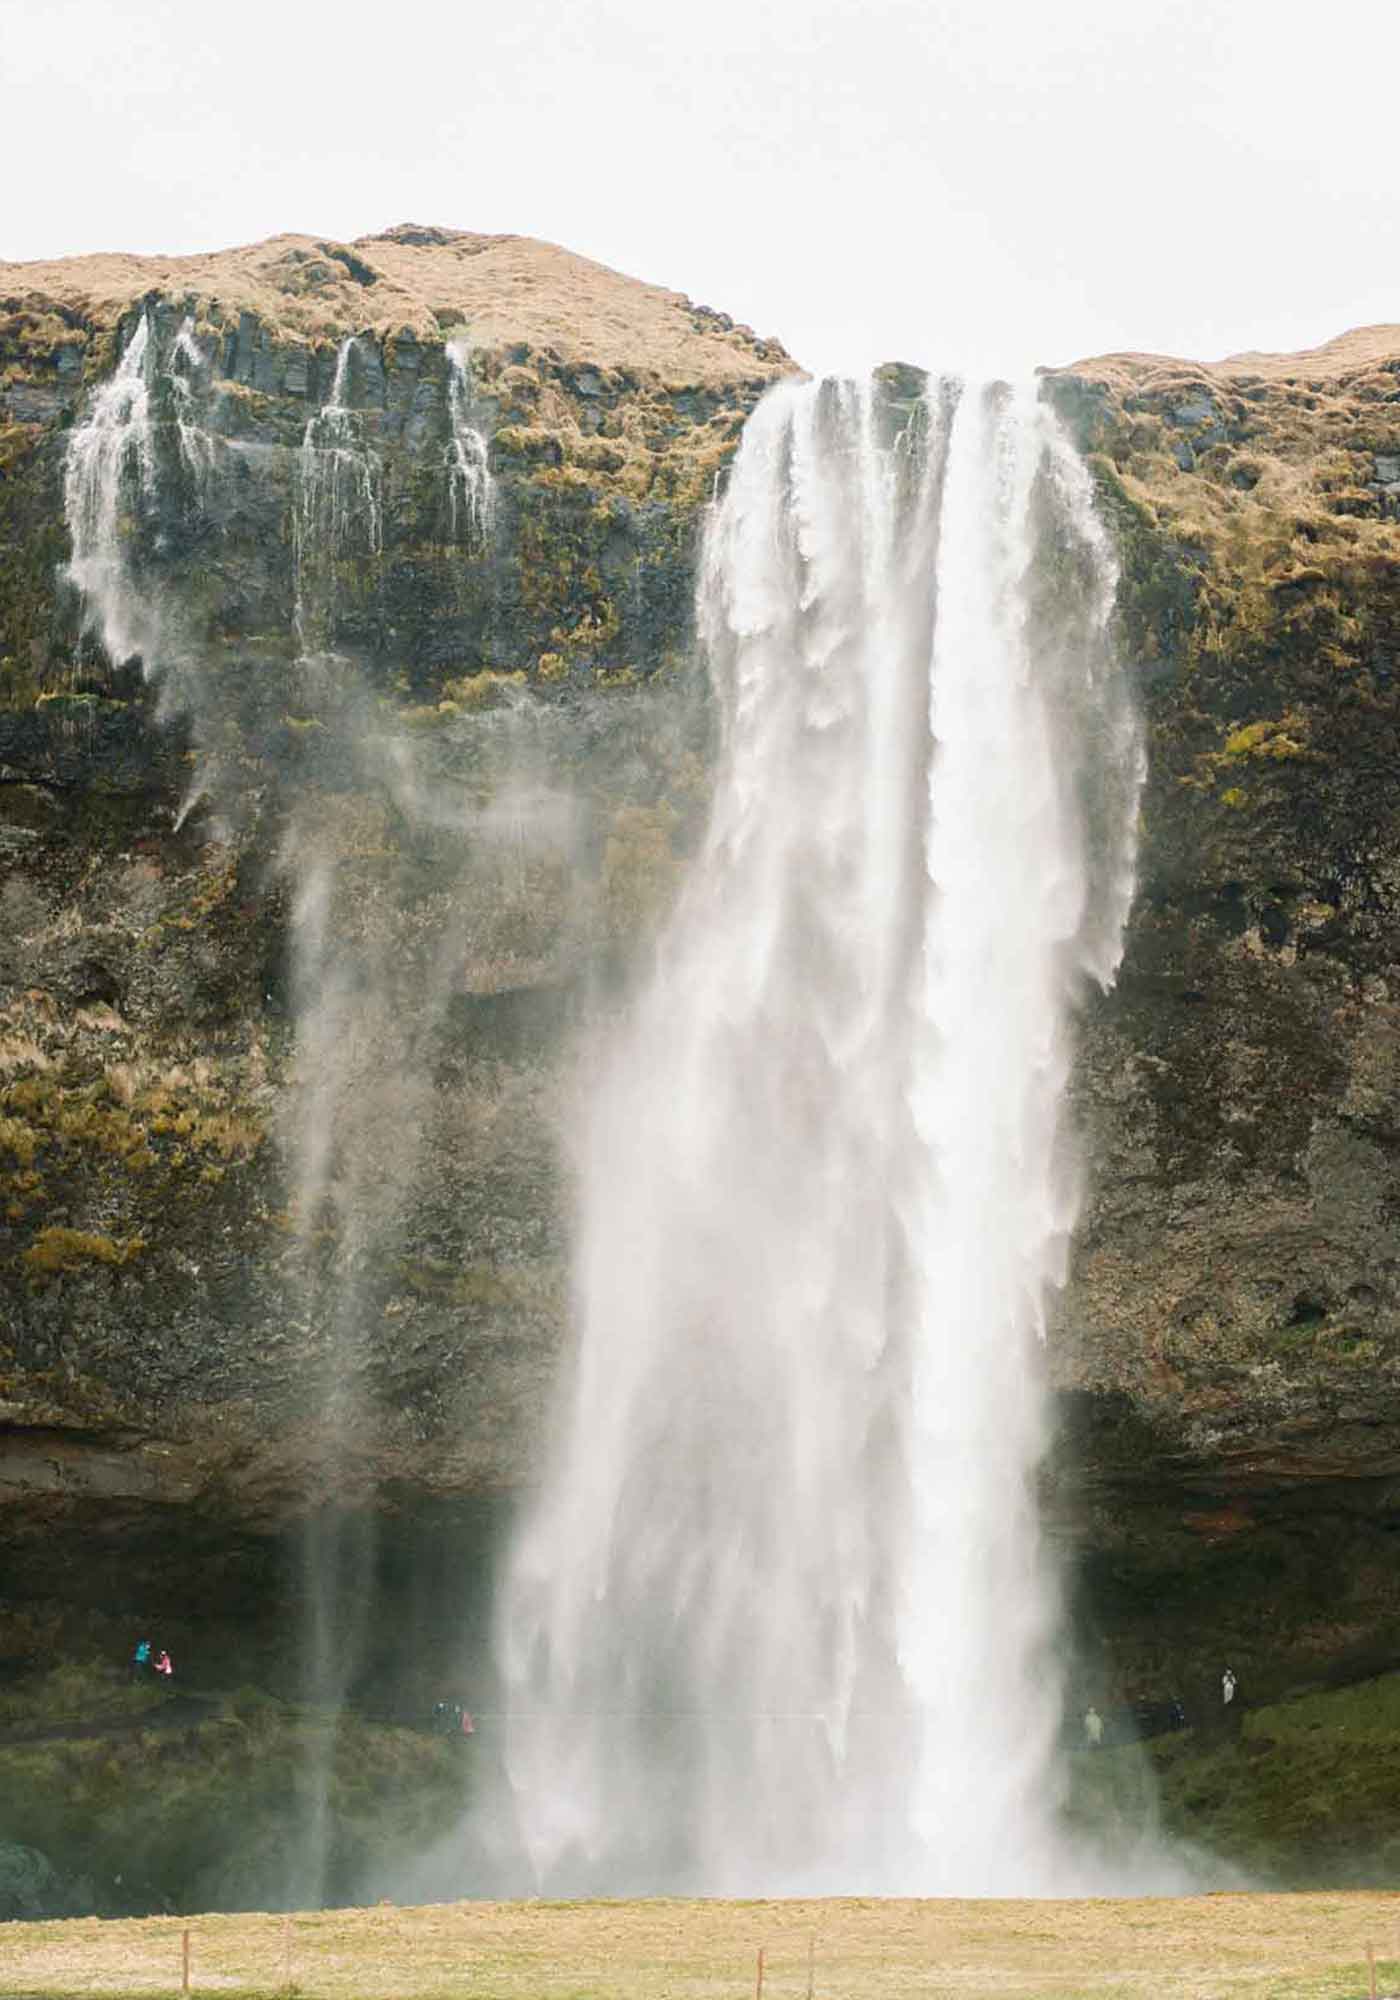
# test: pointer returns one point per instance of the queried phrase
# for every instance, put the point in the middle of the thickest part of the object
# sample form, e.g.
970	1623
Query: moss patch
57	1250
1307	1794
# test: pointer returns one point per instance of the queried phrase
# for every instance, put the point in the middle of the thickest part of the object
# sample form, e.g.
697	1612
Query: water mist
780	1619
376	950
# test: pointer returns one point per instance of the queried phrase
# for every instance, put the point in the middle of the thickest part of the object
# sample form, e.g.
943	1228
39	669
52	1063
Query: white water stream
338	513
369	1013
780	1618
471	493
108	467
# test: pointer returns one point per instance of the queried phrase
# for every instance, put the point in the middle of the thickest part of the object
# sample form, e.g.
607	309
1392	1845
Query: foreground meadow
1277	1947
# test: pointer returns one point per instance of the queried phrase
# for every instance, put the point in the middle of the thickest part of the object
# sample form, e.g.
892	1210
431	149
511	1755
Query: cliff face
419	775
1230	1332
415	756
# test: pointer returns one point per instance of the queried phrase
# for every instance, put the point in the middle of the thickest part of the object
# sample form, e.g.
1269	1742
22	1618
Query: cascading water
108	469
115	473
392	846
337	507
471	494
187	368
780	1619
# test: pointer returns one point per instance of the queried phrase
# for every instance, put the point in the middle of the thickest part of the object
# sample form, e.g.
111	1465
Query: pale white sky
975	183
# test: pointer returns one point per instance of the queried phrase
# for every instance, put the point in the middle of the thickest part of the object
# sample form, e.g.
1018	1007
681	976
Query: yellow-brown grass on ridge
504	290
1347	354
1262	478
1200	1948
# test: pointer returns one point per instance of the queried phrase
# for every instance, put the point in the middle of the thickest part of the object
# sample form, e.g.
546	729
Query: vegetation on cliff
1234	1291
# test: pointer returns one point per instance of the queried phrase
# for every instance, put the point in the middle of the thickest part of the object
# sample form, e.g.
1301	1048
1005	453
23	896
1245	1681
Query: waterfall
471	495
393	844
337	513
780	1619
109	469
187	367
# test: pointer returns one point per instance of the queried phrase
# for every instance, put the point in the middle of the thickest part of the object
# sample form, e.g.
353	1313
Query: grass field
1305	1947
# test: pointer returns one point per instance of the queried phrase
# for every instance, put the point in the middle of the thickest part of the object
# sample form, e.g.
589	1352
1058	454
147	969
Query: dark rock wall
490	773
1231	1334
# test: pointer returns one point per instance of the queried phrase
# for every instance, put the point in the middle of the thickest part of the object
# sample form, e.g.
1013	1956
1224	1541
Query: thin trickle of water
780	1618
109	468
337	512
187	369
471	491
389	873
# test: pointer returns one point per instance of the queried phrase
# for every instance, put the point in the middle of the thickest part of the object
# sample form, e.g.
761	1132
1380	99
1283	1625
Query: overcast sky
975	183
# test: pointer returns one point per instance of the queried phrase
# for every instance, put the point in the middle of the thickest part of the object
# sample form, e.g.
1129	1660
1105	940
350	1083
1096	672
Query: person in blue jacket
141	1660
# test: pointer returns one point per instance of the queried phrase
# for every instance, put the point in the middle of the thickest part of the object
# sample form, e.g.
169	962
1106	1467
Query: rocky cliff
417	772
376	712
1229	1337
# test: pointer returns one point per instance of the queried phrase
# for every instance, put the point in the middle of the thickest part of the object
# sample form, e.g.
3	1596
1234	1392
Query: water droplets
471	491
782	1592
109	471
338	513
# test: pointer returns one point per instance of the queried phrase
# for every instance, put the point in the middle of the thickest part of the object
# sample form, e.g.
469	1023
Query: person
467	1725
163	1666
141	1660
1093	1727
1228	1685
1178	1712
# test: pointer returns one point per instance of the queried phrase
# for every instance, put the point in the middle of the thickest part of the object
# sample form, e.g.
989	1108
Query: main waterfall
780	1618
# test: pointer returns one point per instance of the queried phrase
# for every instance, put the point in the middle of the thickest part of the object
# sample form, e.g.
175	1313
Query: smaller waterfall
337	511
108	470
471	492
187	368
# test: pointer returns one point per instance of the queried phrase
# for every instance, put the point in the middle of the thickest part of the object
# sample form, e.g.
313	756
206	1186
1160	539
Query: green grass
1307	1796
74	1690
212	1814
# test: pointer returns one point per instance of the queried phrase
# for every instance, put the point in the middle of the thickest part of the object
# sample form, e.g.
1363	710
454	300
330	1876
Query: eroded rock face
183	1286
399	759
1233	1320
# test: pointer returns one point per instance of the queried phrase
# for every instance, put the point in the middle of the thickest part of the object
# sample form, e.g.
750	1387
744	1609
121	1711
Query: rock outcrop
357	724
195	1245
1231	1334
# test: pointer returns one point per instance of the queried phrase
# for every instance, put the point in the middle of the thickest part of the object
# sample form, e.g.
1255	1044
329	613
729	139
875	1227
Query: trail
178	1711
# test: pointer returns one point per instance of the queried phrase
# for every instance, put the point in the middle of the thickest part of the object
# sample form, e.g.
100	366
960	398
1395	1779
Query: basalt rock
1230	1339
480	730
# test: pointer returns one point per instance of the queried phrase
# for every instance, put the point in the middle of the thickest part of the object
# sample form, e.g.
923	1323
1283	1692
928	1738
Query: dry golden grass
1350	353
1197	1948
501	289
